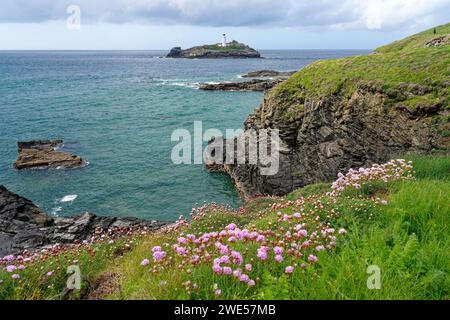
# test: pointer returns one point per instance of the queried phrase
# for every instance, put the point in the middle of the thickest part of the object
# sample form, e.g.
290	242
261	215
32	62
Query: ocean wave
55	211
69	198
192	85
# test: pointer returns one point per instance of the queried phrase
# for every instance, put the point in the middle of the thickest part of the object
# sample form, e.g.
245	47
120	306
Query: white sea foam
56	210
69	198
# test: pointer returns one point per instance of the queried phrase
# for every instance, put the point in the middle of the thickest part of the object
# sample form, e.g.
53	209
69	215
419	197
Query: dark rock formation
331	135
42	154
252	85
268	74
175	53
24	226
233	50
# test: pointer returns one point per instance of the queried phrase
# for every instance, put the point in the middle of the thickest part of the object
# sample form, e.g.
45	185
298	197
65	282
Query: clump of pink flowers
390	171
293	238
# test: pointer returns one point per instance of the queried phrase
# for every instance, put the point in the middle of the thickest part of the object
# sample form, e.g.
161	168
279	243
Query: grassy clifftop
406	61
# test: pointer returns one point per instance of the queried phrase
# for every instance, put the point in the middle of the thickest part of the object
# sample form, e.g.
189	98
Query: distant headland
233	49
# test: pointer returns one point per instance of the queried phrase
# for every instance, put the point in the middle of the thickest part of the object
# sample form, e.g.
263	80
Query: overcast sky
263	24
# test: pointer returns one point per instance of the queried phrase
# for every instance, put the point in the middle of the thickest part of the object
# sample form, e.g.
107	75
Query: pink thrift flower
237	273
218	292
289	270
262	254
181	251
217	269
312	258
227	271
302	233
260	238
15	276
320	248
225	259
224	250
145	262
278	250
232	239
11	268
248	267
342	231
244	278
49	274
251	283
159	255
21	267
278	258
156	248
231	226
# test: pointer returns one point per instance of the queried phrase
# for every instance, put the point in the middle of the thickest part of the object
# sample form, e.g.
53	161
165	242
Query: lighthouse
224	40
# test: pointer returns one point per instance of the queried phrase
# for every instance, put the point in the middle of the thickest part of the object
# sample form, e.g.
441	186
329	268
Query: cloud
327	14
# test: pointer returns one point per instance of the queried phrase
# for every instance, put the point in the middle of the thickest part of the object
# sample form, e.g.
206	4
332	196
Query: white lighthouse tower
224	40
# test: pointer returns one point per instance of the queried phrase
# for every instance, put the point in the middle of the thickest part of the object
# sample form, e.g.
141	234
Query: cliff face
349	113
233	50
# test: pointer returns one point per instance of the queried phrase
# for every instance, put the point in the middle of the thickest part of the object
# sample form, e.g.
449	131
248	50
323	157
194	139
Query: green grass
407	61
233	46
416	41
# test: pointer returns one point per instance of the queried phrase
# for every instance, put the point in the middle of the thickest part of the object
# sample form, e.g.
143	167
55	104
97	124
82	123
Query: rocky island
232	49
42	154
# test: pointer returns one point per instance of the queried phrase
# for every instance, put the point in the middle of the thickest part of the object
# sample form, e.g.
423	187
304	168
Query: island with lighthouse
224	49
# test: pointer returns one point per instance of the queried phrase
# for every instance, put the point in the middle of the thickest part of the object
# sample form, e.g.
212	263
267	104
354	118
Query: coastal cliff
234	49
349	113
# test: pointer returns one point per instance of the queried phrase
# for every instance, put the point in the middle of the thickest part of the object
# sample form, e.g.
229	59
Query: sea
118	110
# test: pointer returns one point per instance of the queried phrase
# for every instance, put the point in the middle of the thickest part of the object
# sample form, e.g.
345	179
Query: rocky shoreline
43	154
24	226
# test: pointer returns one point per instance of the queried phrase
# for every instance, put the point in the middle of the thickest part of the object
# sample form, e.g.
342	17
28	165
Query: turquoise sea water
118	111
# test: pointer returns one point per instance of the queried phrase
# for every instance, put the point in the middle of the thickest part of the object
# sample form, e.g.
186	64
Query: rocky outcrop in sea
234	50
43	154
268	74
252	85
24	226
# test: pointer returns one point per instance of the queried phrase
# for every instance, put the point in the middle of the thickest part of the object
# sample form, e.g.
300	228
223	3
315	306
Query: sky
163	24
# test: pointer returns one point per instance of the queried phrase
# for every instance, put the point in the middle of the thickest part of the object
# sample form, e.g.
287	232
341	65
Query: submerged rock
42	154
23	225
